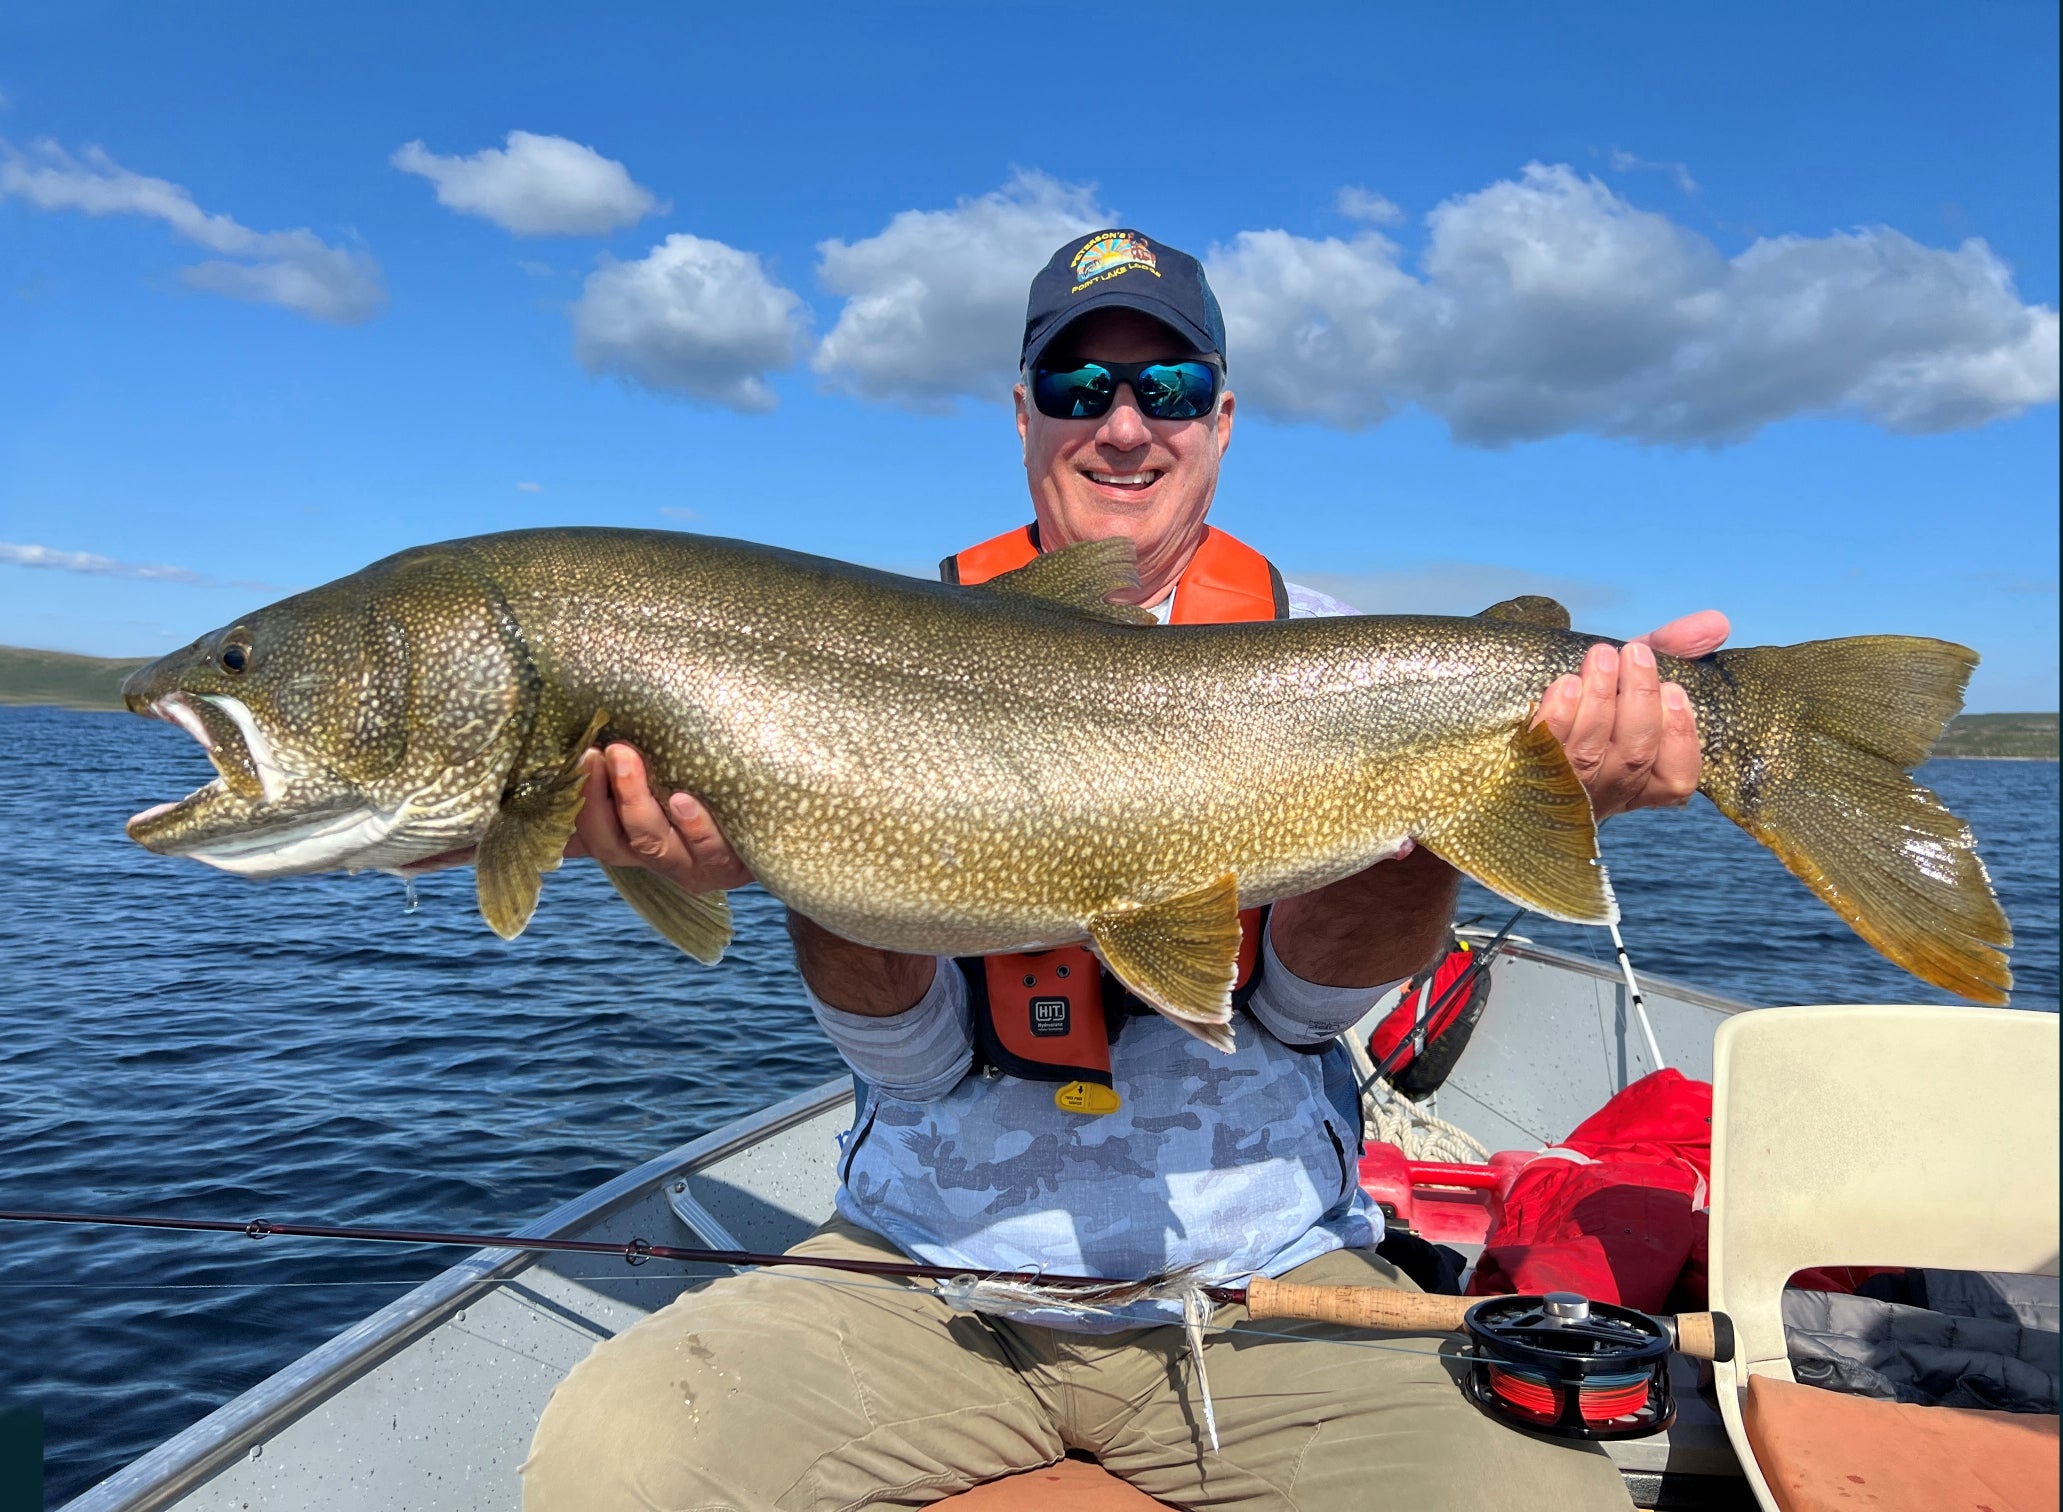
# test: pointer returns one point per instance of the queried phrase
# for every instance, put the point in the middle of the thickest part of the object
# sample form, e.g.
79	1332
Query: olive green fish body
933	768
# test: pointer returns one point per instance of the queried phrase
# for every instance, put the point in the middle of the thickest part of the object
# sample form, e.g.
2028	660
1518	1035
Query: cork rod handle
1702	1336
1375	1307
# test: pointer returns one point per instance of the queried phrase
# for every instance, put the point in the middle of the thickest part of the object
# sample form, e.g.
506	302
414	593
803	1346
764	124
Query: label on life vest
1092	1098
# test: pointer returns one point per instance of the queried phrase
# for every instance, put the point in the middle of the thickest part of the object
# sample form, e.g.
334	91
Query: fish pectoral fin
1529	609
527	838
698	923
1081	577
1528	833
1182	956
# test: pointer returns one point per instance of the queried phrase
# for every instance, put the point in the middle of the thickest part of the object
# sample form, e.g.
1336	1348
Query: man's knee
695	1406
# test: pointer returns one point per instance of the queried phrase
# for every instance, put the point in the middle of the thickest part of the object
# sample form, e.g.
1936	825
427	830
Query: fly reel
1566	1366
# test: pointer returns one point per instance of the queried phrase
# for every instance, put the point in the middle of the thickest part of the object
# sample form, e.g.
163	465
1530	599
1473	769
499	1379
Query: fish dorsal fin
527	837
1527	830
1182	956
1529	609
1081	577
698	923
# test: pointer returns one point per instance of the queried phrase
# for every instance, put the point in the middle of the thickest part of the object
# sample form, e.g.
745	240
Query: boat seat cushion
1826	1449
1071	1485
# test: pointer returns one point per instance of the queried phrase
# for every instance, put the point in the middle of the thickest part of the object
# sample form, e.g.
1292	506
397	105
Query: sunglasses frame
1123	373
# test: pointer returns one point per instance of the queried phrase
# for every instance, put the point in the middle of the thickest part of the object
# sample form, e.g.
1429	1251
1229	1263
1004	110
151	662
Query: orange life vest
1050	1015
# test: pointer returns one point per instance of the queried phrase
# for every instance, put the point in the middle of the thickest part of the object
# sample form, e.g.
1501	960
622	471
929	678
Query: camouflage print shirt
1237	1163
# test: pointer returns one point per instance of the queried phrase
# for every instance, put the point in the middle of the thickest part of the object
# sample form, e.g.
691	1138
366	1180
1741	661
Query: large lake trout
966	770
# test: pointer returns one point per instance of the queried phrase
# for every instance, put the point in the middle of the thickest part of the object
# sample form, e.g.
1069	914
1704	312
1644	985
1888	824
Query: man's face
1123	474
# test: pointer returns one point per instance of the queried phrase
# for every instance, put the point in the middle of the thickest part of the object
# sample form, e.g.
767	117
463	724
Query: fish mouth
236	747
247	775
253	818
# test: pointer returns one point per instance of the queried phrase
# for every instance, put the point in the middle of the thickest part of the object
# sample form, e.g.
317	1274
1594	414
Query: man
766	1390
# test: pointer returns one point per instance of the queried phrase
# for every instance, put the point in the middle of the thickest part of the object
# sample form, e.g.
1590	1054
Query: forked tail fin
1807	748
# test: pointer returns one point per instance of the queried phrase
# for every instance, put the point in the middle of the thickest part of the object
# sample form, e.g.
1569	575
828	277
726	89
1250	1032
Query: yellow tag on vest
1092	1098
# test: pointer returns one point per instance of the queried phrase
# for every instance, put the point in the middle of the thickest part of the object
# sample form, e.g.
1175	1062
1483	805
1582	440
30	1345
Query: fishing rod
1371	1307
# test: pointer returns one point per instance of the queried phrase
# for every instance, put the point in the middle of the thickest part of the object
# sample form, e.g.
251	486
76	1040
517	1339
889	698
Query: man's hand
1630	736
621	823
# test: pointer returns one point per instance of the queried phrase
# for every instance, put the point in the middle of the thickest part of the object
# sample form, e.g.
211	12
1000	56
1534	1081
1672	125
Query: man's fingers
645	825
1590	733
1637	720
1558	707
595	830
1678	762
712	854
1692	636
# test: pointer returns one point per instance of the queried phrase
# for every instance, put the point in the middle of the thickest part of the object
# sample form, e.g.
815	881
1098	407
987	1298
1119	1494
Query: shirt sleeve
1298	1012
918	1055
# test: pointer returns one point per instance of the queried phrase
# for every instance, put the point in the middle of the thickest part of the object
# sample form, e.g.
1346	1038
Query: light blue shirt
1237	1164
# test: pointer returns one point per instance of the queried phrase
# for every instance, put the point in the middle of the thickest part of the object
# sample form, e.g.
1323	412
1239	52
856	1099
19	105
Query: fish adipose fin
527	838
1528	833
1822	736
699	923
1182	956
1529	609
1080	577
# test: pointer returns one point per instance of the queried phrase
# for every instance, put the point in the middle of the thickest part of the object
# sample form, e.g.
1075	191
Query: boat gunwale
196	1452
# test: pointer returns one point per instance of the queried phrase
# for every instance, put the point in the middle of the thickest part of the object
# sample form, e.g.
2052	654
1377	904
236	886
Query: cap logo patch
1109	253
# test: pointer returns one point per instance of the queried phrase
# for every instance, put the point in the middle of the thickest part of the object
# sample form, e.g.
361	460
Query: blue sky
1651	307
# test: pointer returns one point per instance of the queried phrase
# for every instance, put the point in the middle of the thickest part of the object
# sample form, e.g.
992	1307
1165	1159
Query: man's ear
1224	421
1017	399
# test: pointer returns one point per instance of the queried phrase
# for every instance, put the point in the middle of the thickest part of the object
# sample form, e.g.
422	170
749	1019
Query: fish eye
234	658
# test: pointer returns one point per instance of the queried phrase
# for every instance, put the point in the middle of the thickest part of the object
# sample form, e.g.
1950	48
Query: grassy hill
94	682
58	677
2028	736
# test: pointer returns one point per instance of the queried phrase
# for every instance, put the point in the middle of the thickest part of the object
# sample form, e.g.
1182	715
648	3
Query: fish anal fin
1527	832
1081	577
527	837
1529	609
1181	955
698	923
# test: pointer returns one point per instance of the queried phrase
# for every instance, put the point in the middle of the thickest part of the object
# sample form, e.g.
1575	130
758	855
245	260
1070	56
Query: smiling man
1016	1112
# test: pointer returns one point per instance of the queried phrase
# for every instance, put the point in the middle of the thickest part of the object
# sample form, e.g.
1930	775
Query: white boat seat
1874	1135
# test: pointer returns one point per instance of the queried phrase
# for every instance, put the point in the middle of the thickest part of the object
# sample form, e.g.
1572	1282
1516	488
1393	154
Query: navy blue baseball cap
1122	270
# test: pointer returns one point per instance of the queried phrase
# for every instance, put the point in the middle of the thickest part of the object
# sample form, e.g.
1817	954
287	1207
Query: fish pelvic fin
1527	832
1815	745
1081	577
698	923
527	838
1181	955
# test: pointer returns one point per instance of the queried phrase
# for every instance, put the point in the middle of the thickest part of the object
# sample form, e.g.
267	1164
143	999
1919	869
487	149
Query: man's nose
1124	426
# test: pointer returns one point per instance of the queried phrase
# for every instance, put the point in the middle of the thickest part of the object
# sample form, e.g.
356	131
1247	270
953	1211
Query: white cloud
1356	203
53	560
529	488
1547	305
535	186
1455	588
692	317
294	269
934	304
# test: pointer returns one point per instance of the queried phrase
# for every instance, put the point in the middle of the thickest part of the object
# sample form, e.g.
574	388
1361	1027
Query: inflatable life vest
1051	1015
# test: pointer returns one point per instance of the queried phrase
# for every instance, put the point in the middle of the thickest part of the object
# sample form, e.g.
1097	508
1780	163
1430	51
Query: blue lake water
176	1040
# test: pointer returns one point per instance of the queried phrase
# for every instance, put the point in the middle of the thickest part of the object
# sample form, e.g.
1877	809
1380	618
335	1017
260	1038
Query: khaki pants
774	1390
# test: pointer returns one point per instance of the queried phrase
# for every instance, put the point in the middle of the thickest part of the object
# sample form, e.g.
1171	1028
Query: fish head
368	723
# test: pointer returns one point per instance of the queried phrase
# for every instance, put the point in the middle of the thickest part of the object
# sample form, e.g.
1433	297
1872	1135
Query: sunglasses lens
1076	393
1177	390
